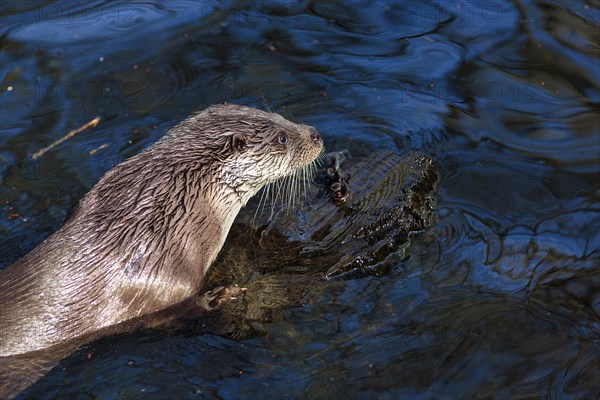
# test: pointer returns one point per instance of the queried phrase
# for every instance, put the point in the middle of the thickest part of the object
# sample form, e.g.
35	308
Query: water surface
500	299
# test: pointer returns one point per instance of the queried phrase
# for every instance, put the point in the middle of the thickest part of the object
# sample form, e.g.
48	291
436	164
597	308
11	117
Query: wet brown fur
144	237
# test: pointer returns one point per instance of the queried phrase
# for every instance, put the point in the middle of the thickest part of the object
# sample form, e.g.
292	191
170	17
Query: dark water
504	302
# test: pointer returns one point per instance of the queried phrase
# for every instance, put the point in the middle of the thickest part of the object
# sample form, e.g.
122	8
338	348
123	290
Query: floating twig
97	149
69	135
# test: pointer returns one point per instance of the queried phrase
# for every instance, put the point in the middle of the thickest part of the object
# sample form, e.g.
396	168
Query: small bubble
101	59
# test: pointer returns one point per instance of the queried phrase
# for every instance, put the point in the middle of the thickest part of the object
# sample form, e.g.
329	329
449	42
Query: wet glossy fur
144	237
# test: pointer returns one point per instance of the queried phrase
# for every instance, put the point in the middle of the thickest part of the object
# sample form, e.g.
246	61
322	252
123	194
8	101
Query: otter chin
143	238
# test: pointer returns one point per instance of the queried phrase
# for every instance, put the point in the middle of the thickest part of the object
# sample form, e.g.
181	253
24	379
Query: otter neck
164	216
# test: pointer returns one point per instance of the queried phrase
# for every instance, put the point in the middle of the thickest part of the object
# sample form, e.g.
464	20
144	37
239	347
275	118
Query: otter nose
314	135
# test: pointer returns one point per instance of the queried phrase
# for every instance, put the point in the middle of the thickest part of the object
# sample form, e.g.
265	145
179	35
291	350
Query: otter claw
216	297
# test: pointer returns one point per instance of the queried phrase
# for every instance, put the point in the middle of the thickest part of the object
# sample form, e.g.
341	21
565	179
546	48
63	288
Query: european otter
143	238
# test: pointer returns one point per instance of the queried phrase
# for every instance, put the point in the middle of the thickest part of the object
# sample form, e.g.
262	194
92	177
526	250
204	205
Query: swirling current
498	298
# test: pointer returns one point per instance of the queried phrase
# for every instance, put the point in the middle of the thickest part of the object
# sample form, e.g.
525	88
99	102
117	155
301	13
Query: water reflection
501	299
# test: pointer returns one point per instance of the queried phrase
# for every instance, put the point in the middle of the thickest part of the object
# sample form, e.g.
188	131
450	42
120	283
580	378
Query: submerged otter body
144	237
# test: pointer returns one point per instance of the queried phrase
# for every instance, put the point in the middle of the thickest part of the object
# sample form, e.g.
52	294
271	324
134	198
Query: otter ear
238	142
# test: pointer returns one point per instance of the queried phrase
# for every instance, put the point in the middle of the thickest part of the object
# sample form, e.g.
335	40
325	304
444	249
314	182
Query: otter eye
282	138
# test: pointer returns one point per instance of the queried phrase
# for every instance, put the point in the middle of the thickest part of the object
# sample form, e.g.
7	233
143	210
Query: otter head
250	148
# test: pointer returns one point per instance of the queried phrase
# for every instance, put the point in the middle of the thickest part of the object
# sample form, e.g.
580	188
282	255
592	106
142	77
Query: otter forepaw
216	297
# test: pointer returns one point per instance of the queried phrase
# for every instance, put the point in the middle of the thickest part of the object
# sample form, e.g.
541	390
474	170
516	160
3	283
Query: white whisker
287	190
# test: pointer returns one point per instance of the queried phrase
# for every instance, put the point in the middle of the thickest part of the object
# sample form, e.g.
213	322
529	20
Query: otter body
143	238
